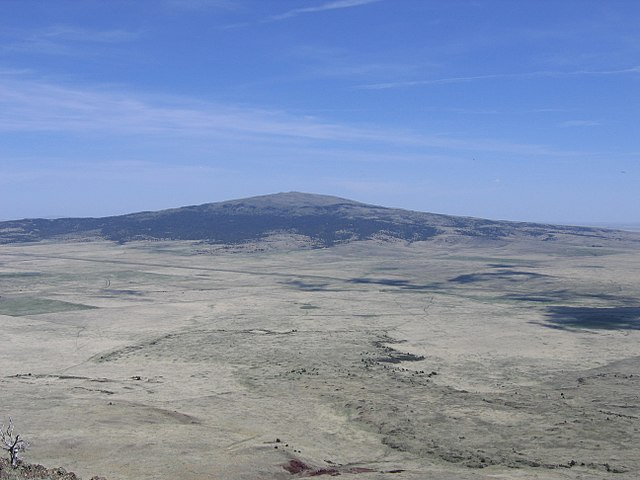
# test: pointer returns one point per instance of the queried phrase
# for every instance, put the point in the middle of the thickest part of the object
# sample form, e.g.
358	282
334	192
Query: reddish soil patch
360	470
322	471
296	466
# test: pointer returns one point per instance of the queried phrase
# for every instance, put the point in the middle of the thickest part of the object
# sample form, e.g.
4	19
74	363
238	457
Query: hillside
321	220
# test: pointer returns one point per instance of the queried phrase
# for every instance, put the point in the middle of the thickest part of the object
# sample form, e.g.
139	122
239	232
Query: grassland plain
447	360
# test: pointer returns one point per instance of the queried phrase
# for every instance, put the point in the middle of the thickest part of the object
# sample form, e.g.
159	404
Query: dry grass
368	356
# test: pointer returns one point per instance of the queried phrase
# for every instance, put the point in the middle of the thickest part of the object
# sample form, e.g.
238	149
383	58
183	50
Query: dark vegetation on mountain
323	220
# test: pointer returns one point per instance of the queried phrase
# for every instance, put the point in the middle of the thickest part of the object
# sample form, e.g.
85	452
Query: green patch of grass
18	307
589	252
19	274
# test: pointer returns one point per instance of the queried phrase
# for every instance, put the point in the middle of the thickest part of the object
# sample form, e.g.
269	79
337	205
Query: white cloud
321	61
334	5
201	4
437	81
34	106
62	39
579	123
497	76
75	34
5	72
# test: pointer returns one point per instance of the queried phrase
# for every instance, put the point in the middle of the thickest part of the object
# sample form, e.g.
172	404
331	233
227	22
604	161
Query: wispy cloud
76	34
334	5
14	72
579	123
548	110
497	76
62	39
201	4
324	7
322	61
33	106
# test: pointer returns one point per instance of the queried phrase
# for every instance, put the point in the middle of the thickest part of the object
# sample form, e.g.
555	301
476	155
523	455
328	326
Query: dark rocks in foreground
27	471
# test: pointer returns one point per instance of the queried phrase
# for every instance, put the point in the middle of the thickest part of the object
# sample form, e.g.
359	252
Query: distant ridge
320	219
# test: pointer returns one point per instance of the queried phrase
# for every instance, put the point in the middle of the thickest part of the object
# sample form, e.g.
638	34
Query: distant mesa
314	220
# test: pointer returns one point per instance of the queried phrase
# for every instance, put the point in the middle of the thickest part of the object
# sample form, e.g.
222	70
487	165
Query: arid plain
443	360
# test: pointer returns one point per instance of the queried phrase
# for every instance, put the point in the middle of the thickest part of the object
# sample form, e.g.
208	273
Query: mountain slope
323	220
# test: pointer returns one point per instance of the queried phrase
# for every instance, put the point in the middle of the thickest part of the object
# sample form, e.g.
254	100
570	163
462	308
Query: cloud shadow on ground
394	282
508	275
596	318
551	296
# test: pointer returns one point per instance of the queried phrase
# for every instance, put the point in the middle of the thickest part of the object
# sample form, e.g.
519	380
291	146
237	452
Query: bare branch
12	443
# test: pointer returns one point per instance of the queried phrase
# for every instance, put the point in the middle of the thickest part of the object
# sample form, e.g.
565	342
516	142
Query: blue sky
504	109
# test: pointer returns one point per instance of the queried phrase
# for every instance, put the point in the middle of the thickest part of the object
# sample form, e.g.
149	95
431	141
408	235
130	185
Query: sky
520	110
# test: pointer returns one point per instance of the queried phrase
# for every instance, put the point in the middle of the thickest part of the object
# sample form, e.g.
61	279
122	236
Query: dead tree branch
12	443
